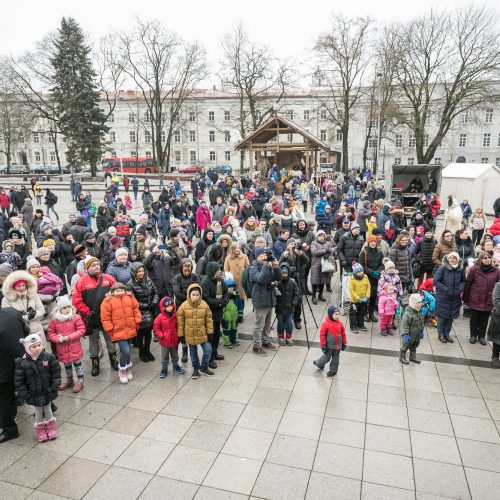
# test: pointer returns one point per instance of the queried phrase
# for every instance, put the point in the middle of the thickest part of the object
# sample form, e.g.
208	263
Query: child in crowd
165	328
390	276
333	339
371	224
37	377
412	328
231	314
196	327
127	200
286	302
426	290
359	290
387	305
66	328
120	318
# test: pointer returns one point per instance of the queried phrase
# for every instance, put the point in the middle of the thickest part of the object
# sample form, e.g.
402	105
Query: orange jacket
120	316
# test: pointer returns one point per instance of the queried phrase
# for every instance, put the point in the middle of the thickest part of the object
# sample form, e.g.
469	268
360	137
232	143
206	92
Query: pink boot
51	429
41	432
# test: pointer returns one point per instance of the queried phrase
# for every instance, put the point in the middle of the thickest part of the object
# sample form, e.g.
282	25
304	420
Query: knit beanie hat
62	302
357	267
354	225
371	238
5	269
121	251
89	260
167	301
48	242
28	341
258	251
42	251
331	311
31	262
414	299
115	240
388	264
111	230
320	232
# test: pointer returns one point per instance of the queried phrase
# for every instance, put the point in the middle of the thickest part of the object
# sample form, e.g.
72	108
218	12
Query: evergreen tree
76	98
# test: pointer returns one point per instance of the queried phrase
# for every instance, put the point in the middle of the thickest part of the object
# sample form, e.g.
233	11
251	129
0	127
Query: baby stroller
345	297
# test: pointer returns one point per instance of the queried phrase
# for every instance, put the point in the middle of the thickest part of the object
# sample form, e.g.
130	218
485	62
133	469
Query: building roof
270	129
468	170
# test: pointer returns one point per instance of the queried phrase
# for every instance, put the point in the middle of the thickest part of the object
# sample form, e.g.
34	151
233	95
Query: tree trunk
345	145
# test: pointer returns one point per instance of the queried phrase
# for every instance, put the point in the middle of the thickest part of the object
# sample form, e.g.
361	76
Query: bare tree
445	63
259	80
344	54
166	71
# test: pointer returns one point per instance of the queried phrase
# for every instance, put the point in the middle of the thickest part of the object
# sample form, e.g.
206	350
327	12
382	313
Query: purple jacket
479	288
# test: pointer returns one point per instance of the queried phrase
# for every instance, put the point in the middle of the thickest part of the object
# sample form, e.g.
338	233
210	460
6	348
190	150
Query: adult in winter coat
320	248
453	217
424	251
478	223
349	247
144	291
203	216
215	295
27	211
449	281
286	303
445	246
120	268
494	328
159	264
218	211
478	295
235	263
79	229
371	259
147	198
385	223
205	241
400	255
364	213
465	247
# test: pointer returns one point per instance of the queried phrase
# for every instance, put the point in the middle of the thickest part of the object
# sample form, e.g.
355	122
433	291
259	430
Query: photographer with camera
298	261
265	275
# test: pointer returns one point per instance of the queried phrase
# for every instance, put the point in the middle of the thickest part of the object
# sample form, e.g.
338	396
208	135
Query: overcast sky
290	27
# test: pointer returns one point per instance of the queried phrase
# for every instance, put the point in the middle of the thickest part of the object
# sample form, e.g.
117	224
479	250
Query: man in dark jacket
159	264
349	247
215	295
12	329
50	203
286	304
79	229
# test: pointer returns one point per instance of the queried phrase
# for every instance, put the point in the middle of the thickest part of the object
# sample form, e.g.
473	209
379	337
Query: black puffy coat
400	255
371	260
12	328
79	229
182	283
450	284
144	291
290	296
424	251
37	380
465	249
160	270
209	288
349	249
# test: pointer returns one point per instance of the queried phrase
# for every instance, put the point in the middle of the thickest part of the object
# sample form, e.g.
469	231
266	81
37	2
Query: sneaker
228	346
196	373
383	333
331	374
259	351
178	369
473	340
363	328
289	341
354	329
207	372
482	340
269	346
163	373
282	341
212	364
235	344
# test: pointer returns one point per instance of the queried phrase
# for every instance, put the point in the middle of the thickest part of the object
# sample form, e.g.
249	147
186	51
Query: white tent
477	182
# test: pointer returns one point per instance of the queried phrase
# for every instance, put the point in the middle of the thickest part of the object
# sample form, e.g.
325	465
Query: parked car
223	169
192	169
49	170
18	169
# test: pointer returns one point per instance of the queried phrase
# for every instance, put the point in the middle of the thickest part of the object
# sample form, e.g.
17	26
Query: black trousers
496	350
216	337
8	408
357	315
478	322
144	339
297	311
477	235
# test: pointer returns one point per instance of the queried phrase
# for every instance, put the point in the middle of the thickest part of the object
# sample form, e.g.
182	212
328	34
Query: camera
269	256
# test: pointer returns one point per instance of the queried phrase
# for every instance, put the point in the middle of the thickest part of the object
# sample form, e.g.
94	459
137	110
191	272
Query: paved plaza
275	427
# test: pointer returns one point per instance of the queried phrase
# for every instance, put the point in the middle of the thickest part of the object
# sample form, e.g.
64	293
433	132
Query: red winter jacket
165	328
494	230
74	328
4	200
85	291
332	334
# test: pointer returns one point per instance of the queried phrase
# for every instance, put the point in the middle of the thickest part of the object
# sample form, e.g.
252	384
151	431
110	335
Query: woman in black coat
465	247
371	258
423	254
144	290
201	247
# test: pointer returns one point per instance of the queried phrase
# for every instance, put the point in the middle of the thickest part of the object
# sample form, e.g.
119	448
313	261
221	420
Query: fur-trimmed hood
8	285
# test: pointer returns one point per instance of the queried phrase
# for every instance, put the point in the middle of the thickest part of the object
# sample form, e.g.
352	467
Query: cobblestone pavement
275	427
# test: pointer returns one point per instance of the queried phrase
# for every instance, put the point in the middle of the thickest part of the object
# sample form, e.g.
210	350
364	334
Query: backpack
246	282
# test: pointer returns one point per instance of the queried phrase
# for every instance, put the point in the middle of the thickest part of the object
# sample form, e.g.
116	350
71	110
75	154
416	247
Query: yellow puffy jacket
359	289
194	320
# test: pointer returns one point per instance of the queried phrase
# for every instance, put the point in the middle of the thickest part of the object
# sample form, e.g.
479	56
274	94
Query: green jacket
231	314
412	322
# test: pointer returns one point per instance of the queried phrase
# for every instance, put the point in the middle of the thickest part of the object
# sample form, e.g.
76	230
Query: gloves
364	300
421	335
343	346
327	253
31	313
406	338
324	349
376	275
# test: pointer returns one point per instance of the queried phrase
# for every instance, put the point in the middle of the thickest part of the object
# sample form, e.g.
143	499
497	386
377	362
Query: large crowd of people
198	255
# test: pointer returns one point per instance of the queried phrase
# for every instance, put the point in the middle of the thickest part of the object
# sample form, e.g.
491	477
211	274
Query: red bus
130	165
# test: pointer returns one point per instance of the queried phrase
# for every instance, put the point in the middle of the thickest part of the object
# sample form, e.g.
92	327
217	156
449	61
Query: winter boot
314	299
128	371
184	357
289	341
373	318
122	374
449	339
413	357
142	355
41	432
95	366
69	383
320	297
495	363
51	429
402	358
149	355
178	369
78	386
113	361
383	333
227	342
164	372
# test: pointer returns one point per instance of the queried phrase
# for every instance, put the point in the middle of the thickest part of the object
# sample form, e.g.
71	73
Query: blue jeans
124	352
285	323
195	360
444	326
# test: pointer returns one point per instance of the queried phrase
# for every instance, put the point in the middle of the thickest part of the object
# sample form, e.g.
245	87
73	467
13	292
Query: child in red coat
66	328
333	339
165	328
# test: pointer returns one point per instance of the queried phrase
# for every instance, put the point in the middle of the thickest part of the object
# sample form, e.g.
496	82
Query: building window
397	161
227	116
411	161
426	141
131	117
464	116
113	154
211	116
339	135
133	154
227	136
497	162
147	136
227	155
51	137
411	141
192	155
289	114
258	116
289	137
112	136
372	142
163	136
211	135
147	117
322	114
437	161
489	115
36	137
399	141
132	136
322	135
192	136
37	156
177	136
177	156
111	118
52	157
192	116
462	141
306	114
21	137
485	160
486	140
148	154
212	155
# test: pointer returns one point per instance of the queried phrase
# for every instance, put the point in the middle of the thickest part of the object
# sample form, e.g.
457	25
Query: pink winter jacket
387	305
74	328
203	218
